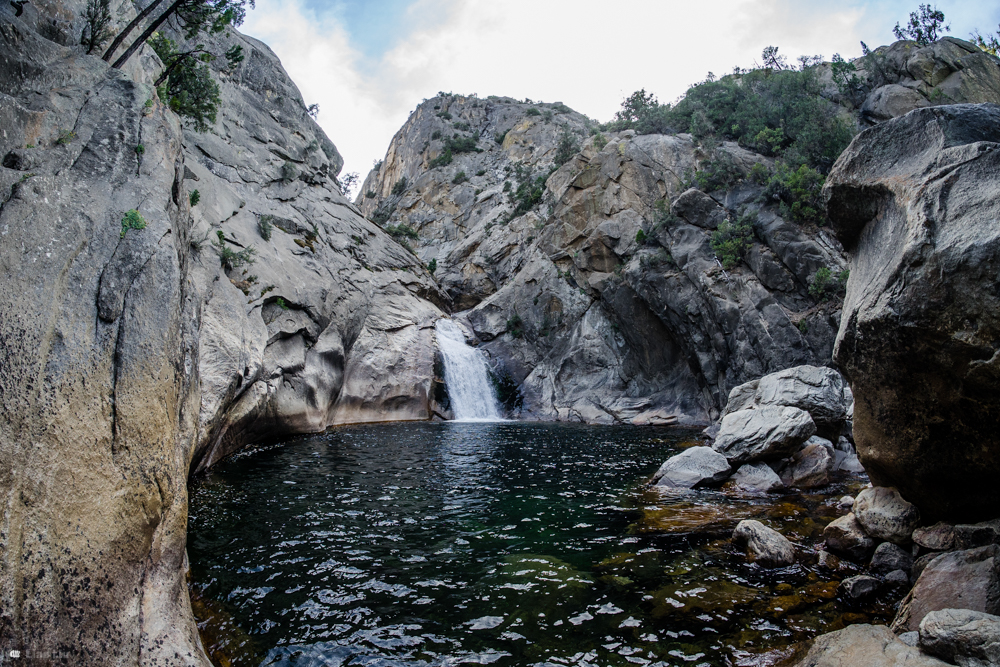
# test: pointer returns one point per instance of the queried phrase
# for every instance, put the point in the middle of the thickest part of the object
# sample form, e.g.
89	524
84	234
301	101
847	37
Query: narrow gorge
707	384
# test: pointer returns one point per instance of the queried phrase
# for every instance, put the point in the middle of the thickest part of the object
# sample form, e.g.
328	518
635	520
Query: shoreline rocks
764	545
884	514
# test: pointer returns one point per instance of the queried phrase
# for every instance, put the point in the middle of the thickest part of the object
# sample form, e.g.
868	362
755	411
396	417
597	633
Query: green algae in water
504	543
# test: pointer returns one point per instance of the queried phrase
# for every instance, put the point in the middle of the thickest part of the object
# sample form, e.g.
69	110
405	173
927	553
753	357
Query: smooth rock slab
757	477
767	432
956	580
885	515
865	646
764	545
697	466
961	636
846	537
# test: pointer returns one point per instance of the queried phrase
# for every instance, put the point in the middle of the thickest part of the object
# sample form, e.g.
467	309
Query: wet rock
764	545
767	432
858	587
846	537
809	468
939	537
896	582
961	636
694	467
828	560
955	580
757	477
846	501
867	646
918	241
885	515
889	557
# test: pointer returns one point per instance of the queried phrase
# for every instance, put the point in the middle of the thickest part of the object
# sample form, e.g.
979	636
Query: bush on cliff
187	87
732	240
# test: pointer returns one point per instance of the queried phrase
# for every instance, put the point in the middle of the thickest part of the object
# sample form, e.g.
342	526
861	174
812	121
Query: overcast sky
368	63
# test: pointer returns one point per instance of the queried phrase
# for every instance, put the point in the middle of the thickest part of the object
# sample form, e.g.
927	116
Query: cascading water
466	376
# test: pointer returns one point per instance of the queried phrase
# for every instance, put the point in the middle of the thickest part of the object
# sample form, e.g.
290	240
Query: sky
369	63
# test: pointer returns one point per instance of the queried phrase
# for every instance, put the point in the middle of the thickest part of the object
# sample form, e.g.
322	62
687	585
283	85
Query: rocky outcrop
913	200
591	278
132	355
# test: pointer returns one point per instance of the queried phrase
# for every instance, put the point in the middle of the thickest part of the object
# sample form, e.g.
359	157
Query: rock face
914	200
884	514
956	580
962	637
595	321
765	546
768	432
697	466
868	645
132	355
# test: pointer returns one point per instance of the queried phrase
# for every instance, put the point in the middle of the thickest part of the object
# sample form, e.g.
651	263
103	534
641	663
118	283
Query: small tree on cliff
193	16
97	24
924	27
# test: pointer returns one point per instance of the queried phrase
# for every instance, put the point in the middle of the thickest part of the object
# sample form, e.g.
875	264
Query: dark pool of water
506	543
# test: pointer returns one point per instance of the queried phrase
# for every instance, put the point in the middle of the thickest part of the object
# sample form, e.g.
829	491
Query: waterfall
466	376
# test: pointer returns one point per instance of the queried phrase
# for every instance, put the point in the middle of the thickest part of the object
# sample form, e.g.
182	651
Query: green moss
132	220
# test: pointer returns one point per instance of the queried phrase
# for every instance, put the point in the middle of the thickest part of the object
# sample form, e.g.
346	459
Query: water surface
504	543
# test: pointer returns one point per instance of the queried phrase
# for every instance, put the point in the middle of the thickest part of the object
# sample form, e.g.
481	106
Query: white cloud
588	54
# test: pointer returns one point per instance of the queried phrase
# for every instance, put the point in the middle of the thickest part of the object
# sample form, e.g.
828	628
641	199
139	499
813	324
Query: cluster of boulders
789	429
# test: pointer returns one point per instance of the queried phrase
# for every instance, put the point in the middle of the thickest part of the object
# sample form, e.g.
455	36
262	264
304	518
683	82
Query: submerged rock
956	580
962	636
846	537
767	432
765	546
885	515
694	467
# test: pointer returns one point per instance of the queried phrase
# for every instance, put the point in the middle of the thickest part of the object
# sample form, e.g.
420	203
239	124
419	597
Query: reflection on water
506	543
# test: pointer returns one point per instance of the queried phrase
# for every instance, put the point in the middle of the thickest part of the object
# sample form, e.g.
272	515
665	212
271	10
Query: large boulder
816	389
764	545
962	637
885	515
955	580
810	467
767	432
915	201
697	466
864	646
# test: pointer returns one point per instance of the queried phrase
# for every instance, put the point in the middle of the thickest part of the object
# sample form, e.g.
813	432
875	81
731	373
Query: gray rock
939	537
885	515
961	636
764	545
810	467
896	582
699	209
767	432
955	580
757	477
968	536
911	638
816	389
741	397
846	501
889	557
858	587
829	561
916	241
846	537
694	467
864	646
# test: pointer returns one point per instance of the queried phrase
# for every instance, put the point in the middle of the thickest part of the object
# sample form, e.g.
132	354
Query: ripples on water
507	543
